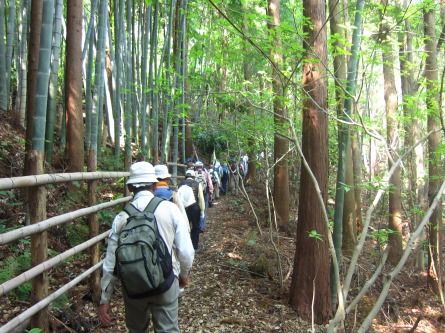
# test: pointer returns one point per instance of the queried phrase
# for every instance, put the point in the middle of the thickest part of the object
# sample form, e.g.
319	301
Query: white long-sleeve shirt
187	196
173	230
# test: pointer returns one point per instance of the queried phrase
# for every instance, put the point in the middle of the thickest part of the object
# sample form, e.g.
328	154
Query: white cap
190	173
161	171
142	172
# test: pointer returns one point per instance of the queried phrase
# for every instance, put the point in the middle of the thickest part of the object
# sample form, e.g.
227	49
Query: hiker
234	177
242	170
189	163
162	308
164	191
246	164
224	178
204	178
191	194
214	177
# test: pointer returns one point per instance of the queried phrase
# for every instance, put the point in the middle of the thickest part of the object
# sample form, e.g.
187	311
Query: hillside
235	285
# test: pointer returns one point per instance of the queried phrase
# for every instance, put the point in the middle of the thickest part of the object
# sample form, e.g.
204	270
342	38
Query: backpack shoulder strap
153	204
130	209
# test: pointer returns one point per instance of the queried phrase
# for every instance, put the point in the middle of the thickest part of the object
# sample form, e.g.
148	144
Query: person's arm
210	184
183	246
201	201
178	201
109	280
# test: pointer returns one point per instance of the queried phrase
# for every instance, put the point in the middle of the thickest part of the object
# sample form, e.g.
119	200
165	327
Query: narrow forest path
223	294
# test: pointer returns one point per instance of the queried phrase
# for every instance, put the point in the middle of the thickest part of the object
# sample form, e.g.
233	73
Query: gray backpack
143	262
200	177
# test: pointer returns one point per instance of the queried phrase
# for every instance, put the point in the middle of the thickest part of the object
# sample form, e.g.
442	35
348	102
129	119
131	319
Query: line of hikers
160	236
200	189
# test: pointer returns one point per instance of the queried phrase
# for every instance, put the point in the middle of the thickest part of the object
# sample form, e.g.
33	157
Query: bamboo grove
342	100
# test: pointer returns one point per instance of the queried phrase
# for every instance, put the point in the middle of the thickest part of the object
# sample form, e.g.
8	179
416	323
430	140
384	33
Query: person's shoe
202	231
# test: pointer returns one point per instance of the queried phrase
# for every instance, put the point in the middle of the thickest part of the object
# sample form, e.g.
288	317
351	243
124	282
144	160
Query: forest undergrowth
235	284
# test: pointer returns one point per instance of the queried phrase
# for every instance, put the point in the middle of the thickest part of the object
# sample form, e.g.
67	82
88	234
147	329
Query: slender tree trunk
118	26
310	292
349	237
251	140
3	75
393	139
357	164
54	76
340	209
73	88
21	93
434	156
10	34
281	145
344	214
415	164
144	55
37	196
33	62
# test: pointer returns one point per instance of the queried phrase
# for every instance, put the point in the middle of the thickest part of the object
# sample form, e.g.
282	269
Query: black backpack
143	261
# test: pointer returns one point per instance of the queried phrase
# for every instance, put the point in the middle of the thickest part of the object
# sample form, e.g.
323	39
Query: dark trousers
193	214
224	181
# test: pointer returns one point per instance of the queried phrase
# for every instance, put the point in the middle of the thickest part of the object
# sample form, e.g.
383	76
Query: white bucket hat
142	173
161	171
190	173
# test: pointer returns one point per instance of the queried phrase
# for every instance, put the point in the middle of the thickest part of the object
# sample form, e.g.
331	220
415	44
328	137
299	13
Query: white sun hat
190	173
161	171
142	173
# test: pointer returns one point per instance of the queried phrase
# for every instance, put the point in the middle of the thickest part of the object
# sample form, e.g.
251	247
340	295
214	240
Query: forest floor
235	284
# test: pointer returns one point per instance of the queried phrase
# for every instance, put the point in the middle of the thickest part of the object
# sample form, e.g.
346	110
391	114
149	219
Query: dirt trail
223	296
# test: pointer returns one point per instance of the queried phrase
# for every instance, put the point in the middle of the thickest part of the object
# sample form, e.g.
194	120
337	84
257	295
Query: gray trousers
162	308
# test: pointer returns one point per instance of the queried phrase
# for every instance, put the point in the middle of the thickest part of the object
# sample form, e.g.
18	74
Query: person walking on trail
191	194
224	178
203	177
163	307
214	177
234	177
164	191
189	163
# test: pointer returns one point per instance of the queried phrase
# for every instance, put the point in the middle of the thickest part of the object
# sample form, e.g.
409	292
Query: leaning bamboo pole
56	220
43	179
44	266
46	301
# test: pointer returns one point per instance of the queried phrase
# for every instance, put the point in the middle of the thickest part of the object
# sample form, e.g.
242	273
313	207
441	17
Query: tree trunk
73	88
415	164
349	236
33	63
281	145
251	140
310	292
37	196
54	76
10	38
434	156
3	74
22	73
393	139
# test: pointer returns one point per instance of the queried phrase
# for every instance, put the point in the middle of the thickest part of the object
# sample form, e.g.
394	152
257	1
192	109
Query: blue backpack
225	171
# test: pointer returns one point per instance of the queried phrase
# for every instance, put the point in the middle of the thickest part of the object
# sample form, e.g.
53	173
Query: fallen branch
413	329
243	270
